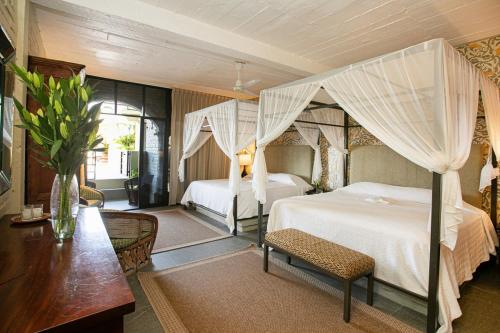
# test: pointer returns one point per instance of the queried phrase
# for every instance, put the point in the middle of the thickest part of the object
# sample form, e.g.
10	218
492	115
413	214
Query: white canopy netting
330	122
420	101
233	125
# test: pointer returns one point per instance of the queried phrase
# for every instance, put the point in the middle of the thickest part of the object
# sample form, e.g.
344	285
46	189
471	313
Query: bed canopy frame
422	103
233	125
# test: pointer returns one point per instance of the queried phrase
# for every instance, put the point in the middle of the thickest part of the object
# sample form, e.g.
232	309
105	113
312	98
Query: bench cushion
330	257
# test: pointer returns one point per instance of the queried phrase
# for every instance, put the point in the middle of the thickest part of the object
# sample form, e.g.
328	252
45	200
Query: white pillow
289	179
400	193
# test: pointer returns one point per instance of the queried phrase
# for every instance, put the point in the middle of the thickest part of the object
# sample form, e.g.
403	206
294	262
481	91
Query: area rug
231	293
177	228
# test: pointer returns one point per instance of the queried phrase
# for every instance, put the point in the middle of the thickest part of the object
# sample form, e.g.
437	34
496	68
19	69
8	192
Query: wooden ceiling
193	43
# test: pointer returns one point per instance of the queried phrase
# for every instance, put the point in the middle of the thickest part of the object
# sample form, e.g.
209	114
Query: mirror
6	111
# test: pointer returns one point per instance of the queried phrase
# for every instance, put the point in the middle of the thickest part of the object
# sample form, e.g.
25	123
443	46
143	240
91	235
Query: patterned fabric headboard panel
294	159
381	164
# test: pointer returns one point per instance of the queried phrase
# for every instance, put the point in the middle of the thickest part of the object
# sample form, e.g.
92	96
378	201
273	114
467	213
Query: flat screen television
6	109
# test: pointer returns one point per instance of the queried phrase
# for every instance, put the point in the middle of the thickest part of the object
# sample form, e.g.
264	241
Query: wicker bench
335	260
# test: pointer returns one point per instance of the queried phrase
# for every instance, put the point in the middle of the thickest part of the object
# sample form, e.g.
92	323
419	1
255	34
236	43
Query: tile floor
118	205
480	300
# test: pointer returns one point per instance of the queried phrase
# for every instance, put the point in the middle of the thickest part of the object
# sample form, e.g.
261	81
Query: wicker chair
91	197
132	235
132	188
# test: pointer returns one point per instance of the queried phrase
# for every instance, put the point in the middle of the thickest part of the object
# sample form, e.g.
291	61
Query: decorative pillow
403	193
290	179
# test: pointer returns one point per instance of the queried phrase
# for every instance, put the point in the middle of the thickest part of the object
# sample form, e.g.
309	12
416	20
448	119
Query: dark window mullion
115	88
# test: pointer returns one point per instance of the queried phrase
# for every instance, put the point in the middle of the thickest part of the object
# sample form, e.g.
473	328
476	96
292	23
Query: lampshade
245	159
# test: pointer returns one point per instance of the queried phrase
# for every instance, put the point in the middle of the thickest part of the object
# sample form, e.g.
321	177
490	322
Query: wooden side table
77	286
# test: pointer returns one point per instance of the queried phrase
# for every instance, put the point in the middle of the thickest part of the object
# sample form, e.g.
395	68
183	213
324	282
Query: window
156	100
104	91
129	99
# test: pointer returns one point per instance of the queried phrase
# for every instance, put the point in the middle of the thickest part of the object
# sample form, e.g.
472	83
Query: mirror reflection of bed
293	158
289	167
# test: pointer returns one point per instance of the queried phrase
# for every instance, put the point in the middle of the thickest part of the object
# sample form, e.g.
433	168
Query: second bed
215	196
390	224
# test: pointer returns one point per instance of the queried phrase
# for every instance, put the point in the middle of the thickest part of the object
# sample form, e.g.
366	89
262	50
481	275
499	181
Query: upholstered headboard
383	165
294	159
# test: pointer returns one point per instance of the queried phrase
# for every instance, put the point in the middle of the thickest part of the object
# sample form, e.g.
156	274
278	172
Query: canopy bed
421	102
214	196
233	125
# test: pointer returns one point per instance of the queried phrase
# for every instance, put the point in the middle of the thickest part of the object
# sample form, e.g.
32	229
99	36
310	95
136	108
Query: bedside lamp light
245	159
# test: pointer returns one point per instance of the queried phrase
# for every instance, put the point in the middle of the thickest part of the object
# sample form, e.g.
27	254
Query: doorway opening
130	166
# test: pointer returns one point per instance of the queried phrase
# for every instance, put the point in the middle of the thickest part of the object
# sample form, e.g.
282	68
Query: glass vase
64	200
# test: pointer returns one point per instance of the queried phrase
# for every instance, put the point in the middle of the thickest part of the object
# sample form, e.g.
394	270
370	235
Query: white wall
14	16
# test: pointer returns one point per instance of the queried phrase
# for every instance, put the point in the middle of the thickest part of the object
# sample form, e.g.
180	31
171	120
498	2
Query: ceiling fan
240	86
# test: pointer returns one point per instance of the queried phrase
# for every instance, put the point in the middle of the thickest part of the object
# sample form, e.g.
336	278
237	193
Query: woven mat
177	228
231	293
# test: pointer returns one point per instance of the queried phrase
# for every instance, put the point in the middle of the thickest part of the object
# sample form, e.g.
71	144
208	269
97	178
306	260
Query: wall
14	16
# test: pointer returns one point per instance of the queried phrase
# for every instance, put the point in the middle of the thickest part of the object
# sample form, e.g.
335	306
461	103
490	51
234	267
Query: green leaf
36	81
55	148
34	119
41	98
77	80
22	126
36	137
26	116
95	143
21	72
18	105
83	113
58	107
52	83
64	86
64	130
40	112
89	91
51	115
85	97
69	104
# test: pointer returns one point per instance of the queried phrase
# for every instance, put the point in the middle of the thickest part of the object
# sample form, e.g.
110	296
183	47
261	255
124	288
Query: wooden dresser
77	286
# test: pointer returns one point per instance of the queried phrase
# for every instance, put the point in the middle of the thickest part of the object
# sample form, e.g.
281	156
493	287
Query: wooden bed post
235	215
346	146
432	302
260	209
235	199
185	177
494	193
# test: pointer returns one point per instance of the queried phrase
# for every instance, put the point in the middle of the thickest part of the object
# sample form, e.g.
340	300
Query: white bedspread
215	194
389	223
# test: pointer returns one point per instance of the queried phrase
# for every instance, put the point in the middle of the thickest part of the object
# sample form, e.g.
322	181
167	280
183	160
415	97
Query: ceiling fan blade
250	83
248	92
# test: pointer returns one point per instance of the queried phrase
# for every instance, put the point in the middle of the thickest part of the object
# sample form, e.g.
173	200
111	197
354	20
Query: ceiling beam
188	32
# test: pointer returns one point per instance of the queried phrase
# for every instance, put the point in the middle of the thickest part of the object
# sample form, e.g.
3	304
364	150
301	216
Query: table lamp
245	159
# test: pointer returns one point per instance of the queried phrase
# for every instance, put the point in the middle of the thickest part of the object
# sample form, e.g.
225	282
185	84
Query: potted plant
64	129
126	142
